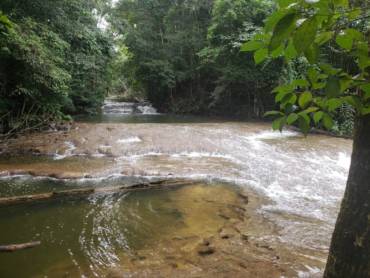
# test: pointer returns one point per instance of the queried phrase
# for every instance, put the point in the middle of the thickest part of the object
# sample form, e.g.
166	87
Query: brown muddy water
295	186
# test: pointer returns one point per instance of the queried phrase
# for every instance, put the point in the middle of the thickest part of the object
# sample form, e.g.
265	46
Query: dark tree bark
349	255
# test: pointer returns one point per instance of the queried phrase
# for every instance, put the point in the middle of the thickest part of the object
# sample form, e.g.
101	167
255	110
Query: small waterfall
128	108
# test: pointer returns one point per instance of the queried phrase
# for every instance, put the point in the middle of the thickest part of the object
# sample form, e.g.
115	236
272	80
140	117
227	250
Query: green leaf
305	35
334	104
324	38
354	14
285	3
288	88
304	122
282	30
290	52
366	89
318	116
303	83
289	99
345	41
355	34
345	84
273	113
327	121
310	110
251	46
292	118
280	96
312	75
354	101
277	52
312	53
305	99
333	87
279	123
329	69
341	3
260	55
273	19
319	85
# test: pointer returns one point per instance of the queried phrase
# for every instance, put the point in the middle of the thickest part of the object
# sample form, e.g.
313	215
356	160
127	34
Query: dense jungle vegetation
58	59
54	61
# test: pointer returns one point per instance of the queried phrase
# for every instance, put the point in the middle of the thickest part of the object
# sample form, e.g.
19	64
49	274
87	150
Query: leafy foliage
54	60
185	57
308	29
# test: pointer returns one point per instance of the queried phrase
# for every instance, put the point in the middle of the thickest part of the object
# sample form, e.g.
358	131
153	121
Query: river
300	182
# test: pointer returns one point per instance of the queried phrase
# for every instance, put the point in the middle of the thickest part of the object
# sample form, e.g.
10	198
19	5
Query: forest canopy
59	60
54	61
185	55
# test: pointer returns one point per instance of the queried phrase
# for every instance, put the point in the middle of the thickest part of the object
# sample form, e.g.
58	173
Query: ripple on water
89	237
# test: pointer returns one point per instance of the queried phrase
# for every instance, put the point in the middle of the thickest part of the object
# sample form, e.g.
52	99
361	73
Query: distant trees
184	55
238	85
53	61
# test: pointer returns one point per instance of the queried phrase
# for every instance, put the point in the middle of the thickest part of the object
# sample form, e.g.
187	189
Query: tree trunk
349	255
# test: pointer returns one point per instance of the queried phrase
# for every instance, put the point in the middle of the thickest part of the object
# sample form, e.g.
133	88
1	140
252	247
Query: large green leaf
334	104
318	116
324	37
292	118
285	3
332	87
345	41
282	30
279	123
305	35
304	122
327	121
251	46
312	53
260	55
290	52
366	89
273	113
305	99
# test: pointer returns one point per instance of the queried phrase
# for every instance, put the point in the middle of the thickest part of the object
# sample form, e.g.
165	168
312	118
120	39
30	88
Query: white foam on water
311	272
202	155
274	135
129	140
68	152
147	110
344	160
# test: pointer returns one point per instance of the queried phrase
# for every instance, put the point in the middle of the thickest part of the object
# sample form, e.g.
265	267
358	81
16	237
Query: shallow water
90	237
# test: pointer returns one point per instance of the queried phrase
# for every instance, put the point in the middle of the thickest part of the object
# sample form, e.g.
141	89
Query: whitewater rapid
304	178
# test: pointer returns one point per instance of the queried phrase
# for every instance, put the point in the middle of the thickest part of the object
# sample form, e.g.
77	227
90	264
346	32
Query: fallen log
17	247
85	192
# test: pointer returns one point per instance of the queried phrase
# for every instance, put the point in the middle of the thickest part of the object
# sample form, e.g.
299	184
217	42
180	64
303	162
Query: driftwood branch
17	247
85	192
